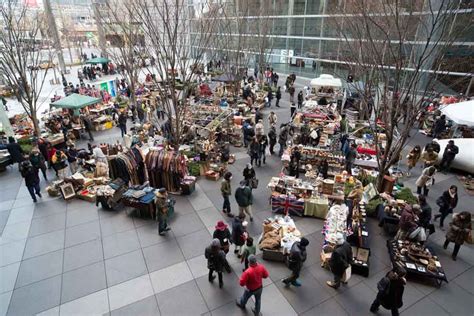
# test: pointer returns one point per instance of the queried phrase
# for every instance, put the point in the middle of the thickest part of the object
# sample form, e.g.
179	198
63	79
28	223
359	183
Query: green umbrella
75	101
98	60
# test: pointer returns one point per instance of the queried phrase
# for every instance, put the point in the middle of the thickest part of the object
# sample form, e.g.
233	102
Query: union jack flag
287	204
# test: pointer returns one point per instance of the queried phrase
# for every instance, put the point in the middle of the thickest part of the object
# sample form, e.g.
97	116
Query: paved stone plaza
72	258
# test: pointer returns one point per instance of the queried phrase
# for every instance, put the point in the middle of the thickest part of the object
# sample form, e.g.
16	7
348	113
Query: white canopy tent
325	80
461	113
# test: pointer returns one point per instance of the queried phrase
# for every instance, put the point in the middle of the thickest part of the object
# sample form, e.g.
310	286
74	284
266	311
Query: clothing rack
166	169
129	166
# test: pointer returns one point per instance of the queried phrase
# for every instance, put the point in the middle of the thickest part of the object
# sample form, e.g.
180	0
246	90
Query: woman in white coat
425	180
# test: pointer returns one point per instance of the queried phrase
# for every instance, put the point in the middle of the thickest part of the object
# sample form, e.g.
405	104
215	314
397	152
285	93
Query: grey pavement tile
15	232
454	299
183	206
116	224
192	244
45	243
50	312
199	200
170	277
230	309
6	205
40	268
215	296
277	270
310	225
23	202
82	255
93	304
185	224
273	302
141	221
465	280
145	307
36	297
162	255
309	295
47	224
329	307
120	243
125	267
83	281
5	302
49	208
357	299
129	292
426	306
21	214
323	275
11	252
210	216
184	299
8	276
77	217
198	266
82	233
148	235
3	219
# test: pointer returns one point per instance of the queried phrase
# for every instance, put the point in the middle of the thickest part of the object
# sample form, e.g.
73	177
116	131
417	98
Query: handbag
347	274
440	202
254	183
431	229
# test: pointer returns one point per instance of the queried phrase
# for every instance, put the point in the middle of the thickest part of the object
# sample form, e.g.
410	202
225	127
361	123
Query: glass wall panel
313	6
312	27
297	25
298	8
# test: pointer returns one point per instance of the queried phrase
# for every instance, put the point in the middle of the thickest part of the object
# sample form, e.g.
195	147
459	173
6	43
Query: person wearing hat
252	279
341	259
215	260
295	261
37	160
161	202
222	233
244	198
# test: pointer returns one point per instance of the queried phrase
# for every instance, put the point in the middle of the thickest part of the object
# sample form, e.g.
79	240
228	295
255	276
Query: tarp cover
325	80
98	60
461	113
75	101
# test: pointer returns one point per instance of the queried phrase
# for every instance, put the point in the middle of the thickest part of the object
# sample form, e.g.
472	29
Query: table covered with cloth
316	207
287	204
142	199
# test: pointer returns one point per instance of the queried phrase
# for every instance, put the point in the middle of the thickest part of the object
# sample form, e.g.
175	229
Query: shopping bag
347	274
254	183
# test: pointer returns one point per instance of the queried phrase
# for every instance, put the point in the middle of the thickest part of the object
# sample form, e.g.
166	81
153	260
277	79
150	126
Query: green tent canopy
75	101
98	60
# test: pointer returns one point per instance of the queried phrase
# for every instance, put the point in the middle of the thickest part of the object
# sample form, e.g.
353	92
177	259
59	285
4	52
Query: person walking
272	136
246	251
262	148
408	222
38	162
243	196
251	279
161	202
59	163
447	202
300	99
32	180
413	157
282	139
226	191
122	123
88	127
15	151
292	110
278	97
215	261
238	232
424	219
222	233
71	154
459	229
449	154
272	118
259	128
291	91
425	180
341	259
390	291
439	126
249	174
295	262
269	98
350	158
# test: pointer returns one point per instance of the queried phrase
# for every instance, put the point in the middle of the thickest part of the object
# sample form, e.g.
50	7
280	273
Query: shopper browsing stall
413	157
295	262
459	229
340	261
161	202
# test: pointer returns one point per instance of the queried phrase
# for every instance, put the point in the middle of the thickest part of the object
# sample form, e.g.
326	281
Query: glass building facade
304	35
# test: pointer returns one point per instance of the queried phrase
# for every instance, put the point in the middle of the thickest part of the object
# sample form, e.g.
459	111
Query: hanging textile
129	166
166	169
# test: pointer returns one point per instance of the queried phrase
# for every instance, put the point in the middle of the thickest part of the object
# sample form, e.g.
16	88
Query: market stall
279	234
327	87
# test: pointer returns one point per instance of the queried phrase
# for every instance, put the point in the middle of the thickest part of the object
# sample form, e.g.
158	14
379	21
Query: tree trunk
34	119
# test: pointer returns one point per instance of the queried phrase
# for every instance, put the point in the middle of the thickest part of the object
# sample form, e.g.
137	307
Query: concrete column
100	29
53	29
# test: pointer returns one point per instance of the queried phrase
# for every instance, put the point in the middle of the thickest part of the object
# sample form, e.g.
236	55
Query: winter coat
351	155
253	149
392	291
413	158
424	178
31	176
449	203
37	161
439	126
249	173
425	216
272	135
225	188
221	235
215	261
243	196
459	229
237	232
282	138
297	257
15	152
161	204
407	221
341	258
450	152
430	158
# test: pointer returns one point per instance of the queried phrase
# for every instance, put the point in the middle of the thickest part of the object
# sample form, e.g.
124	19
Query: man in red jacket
252	280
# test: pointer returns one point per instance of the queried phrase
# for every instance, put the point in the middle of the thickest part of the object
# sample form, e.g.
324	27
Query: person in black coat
300	99
15	151
295	262
278	97
449	154
323	168
222	233
439	126
446	202
249	174
272	136
341	259
122	123
215	260
32	180
425	216
390	291
238	232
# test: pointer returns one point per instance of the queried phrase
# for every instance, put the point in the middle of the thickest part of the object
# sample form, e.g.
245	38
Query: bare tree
124	31
21	58
395	48
177	36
